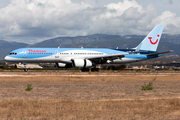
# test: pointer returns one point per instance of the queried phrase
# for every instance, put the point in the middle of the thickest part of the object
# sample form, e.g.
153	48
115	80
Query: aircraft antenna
59	46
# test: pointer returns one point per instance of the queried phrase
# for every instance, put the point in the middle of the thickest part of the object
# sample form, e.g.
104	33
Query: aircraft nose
7	58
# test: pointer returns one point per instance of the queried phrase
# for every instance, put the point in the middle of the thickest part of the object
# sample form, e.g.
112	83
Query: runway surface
81	74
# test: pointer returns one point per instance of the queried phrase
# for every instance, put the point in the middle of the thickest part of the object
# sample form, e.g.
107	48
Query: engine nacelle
60	65
63	65
82	63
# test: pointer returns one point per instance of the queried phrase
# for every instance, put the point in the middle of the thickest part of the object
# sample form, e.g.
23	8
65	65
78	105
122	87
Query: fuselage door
138	55
24	54
57	54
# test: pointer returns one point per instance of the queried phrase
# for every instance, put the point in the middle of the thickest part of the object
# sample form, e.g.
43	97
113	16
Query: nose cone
7	58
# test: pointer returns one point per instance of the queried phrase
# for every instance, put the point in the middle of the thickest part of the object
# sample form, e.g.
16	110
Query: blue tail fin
151	41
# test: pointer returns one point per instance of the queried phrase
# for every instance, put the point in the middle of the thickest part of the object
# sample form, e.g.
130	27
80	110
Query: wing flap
108	57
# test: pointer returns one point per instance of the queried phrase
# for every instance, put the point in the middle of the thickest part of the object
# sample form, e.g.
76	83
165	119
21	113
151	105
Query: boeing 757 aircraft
89	57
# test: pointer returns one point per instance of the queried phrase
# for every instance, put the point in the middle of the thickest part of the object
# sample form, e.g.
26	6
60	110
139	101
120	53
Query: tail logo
150	39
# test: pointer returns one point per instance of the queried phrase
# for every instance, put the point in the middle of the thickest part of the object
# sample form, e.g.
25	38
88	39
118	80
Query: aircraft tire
25	70
95	69
85	70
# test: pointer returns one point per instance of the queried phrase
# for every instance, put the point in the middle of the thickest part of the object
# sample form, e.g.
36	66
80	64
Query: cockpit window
13	53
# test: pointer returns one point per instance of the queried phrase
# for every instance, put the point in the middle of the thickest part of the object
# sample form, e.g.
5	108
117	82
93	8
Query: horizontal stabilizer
160	53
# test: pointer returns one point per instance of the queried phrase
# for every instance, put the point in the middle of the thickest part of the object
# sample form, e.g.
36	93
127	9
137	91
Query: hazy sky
32	21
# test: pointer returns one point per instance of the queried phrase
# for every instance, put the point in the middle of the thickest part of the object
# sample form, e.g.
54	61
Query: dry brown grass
89	109
94	97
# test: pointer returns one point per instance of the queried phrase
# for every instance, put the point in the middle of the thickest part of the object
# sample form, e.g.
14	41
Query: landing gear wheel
25	70
85	69
95	69
15	66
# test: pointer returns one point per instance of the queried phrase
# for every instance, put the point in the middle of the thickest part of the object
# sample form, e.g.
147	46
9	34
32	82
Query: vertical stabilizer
151	41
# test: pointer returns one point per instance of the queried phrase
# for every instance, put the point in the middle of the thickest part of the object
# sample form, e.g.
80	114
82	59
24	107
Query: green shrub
147	87
29	87
22	119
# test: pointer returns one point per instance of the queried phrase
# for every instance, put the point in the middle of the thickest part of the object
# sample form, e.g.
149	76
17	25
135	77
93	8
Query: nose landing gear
25	70
24	66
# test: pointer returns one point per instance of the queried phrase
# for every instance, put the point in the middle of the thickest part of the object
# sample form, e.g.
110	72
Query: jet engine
82	63
60	65
63	65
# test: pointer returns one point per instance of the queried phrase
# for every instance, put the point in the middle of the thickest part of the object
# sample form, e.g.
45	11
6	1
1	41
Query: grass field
89	96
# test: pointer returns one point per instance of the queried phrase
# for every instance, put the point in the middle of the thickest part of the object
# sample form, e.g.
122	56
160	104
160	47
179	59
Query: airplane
86	58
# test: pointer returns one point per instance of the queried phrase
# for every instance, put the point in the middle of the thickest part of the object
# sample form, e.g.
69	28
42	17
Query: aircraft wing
107	57
160	53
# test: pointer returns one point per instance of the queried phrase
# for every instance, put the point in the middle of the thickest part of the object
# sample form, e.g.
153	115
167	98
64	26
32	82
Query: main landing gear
95	69
88	69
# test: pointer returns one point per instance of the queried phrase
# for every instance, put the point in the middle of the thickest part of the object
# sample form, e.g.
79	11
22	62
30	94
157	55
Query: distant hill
168	42
73	41
6	47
